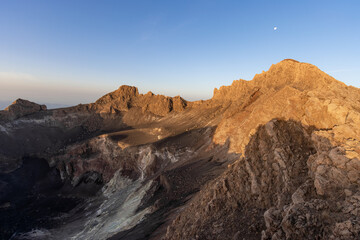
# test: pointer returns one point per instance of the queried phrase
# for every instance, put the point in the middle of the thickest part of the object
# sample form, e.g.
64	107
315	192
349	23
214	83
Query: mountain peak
288	72
302	76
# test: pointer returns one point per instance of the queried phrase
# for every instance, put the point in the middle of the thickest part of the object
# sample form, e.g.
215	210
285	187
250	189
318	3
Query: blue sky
69	52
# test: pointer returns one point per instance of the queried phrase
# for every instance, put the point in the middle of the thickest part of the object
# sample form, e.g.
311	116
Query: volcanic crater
276	157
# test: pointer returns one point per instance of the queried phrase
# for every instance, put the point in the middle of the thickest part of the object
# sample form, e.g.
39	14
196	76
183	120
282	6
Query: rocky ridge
291	90
309	187
127	97
289	139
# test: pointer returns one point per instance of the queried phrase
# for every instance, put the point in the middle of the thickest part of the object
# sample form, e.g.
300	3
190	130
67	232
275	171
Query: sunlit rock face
291	90
127	97
276	157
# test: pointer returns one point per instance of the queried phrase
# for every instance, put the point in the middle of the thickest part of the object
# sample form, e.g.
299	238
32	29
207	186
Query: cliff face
276	157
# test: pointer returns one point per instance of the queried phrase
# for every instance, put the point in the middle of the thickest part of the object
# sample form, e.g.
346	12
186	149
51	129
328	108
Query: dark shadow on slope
118	137
34	194
273	169
176	185
47	132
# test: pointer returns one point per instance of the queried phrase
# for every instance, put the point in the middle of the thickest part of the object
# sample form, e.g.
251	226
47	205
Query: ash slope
276	157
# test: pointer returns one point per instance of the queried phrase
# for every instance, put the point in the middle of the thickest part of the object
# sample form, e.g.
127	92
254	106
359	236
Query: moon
275	28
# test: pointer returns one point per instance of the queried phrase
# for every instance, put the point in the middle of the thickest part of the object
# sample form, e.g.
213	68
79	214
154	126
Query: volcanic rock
291	90
20	108
127	97
276	157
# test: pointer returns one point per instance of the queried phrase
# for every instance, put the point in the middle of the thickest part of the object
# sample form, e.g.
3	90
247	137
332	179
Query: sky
74	51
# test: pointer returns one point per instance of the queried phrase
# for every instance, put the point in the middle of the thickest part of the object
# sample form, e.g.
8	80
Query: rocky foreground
276	157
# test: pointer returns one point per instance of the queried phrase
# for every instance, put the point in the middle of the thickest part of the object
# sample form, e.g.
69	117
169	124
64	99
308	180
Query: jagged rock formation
276	177
276	157
127	97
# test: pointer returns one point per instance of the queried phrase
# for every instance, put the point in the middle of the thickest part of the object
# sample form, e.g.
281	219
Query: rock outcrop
276	178
20	108
127	97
